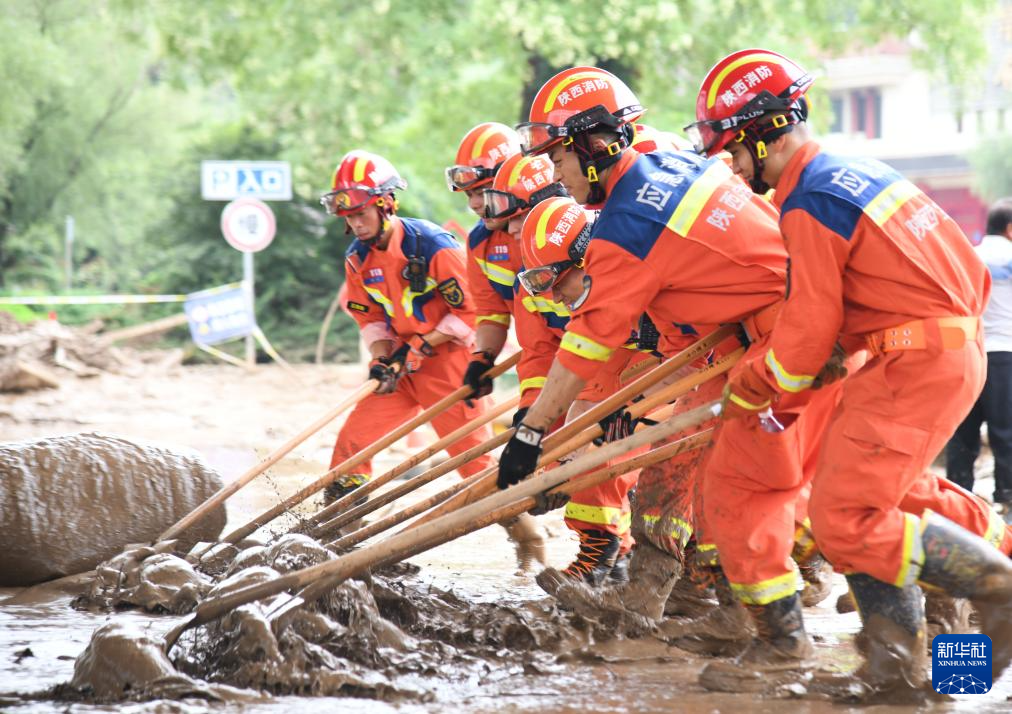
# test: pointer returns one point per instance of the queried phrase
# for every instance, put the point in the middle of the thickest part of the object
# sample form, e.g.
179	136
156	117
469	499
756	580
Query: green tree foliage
98	116
992	163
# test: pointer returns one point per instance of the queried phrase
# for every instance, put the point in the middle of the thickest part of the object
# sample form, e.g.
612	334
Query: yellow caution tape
109	299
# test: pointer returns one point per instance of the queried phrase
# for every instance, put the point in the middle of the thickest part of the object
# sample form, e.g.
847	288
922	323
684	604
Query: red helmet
481	153
361	179
750	94
574	101
553	240
522	182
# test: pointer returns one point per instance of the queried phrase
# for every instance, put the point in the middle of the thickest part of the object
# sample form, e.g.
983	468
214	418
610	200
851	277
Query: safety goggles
541	279
461	178
502	204
346	200
535	137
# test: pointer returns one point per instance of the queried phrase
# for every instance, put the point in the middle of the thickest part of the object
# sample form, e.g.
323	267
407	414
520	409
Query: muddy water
642	676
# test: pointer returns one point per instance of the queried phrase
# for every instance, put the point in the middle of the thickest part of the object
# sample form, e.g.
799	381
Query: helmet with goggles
553	240
751	96
521	183
480	154
362	179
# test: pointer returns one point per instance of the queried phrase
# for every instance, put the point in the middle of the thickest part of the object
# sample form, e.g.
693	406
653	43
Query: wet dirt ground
234	418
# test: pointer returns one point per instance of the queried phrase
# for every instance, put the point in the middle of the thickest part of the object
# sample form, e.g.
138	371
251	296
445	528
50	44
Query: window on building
836	109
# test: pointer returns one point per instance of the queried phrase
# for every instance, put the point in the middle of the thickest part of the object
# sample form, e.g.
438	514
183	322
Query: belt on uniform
954	331
760	323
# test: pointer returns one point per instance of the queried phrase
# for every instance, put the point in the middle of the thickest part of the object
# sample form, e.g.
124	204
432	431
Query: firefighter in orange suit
493	261
407	289
600	515
685	240
876	265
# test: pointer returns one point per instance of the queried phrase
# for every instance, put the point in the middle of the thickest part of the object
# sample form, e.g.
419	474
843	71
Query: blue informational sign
961	664
228	180
218	315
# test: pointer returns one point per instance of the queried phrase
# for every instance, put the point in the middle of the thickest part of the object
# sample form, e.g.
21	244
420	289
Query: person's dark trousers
994	406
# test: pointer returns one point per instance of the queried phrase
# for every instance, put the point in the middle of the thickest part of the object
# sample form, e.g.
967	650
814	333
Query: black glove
620	424
518	417
398	356
383	371
520	457
545	502
474	375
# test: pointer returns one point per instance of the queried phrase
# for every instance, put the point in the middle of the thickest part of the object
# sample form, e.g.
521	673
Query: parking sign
228	180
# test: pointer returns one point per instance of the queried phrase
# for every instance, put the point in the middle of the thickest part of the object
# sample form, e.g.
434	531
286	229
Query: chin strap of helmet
387	206
592	163
766	130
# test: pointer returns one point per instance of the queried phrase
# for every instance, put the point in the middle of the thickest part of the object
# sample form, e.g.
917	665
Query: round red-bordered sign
248	224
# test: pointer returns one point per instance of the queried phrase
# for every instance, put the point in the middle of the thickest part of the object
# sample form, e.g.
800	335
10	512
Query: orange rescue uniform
876	264
381	300
683	239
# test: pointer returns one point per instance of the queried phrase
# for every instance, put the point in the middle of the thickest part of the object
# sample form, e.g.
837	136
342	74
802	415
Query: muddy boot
818	576
845	603
596	557
724	631
527	537
344	485
892	641
777	658
946	615
620	570
694	594
966	566
652	574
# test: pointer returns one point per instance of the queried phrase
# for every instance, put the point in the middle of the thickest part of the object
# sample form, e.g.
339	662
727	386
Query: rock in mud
68	503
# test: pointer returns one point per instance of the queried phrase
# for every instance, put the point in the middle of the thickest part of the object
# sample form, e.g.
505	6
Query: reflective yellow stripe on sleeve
498	318
497	273
585	347
695	198
599	515
787	381
767	591
532	383
995	533
383	300
747	405
534	303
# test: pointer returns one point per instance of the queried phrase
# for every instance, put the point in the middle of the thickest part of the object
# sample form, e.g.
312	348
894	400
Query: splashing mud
69	502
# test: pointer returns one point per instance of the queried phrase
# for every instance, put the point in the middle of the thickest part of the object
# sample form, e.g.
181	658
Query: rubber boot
652	574
620	570
694	595
724	631
892	641
817	574
946	615
777	657
528	539
967	566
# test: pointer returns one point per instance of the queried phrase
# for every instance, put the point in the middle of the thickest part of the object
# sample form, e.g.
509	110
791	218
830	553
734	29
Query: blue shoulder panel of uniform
478	235
357	248
432	238
835	190
644	199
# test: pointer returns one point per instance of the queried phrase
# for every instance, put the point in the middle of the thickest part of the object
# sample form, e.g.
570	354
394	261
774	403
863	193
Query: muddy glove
833	370
545	502
620	424
520	457
518	417
385	371
474	375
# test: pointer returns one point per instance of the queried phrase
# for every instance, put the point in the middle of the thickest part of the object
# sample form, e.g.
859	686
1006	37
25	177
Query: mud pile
387	636
70	502
37	354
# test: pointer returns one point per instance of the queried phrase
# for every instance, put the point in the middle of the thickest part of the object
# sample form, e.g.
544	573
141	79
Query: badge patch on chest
451	292
357	306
